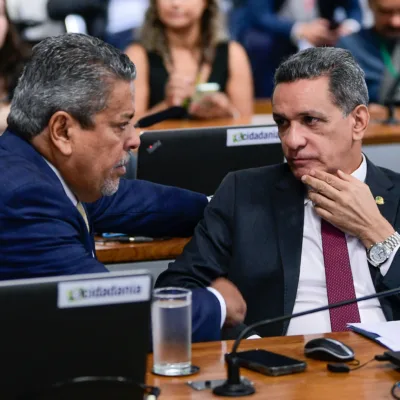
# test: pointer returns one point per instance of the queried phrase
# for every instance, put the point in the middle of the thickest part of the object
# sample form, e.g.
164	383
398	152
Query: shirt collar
67	190
360	173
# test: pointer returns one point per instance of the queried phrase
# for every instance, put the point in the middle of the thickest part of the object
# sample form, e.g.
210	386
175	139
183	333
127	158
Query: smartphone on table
269	363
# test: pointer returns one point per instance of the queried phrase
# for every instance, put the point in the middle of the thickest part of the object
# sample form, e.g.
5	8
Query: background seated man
301	235
377	49
271	30
61	159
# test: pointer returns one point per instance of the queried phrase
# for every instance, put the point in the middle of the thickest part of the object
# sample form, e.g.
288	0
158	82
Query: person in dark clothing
271	30
377	49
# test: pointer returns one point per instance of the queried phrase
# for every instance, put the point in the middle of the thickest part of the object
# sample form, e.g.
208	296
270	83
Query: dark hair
72	73
13	55
346	78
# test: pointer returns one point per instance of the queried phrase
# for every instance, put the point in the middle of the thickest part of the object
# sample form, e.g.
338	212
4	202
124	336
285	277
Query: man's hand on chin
347	203
235	305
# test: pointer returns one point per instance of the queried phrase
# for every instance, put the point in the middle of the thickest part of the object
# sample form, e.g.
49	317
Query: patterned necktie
82	211
339	278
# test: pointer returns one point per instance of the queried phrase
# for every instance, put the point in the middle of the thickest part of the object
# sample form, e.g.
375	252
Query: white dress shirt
67	190
69	193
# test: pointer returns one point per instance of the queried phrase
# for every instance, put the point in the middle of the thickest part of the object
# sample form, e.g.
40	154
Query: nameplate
252	136
98	292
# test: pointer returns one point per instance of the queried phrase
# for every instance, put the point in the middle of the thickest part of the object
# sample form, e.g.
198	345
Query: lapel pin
379	200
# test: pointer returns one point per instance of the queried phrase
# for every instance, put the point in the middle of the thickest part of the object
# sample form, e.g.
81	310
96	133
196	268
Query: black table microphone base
233	386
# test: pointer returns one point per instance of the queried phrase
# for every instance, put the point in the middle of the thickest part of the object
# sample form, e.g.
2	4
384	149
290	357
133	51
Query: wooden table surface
372	382
115	252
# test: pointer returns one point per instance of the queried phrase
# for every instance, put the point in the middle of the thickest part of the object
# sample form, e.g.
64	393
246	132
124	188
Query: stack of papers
386	333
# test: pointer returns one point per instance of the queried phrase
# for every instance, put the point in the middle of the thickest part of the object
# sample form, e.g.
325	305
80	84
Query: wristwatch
379	252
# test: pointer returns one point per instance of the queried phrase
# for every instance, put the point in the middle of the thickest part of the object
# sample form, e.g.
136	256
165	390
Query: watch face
378	253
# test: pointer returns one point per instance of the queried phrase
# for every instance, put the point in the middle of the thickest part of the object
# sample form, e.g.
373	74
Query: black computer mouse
326	349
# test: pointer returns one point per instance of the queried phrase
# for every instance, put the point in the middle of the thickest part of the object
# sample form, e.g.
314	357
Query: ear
61	129
360	116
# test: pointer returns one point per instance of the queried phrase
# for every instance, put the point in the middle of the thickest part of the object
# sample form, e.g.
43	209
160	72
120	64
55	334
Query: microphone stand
233	386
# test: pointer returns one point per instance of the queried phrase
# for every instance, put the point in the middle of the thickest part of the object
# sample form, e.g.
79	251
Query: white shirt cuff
384	268
209	198
222	303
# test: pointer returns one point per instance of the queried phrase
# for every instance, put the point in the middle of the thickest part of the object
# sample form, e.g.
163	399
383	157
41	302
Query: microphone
233	386
169	113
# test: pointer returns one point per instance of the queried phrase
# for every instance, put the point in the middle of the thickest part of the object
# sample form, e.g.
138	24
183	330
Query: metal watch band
392	241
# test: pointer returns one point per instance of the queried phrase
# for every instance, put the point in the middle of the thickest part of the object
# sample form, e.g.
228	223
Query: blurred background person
32	20
13	54
377	49
271	30
124	19
93	13
182	44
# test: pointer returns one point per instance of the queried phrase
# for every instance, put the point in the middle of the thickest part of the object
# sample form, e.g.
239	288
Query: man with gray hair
316	230
61	160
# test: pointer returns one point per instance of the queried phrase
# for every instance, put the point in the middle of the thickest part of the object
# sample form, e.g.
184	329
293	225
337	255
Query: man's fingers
332	180
324	214
321	201
318	186
346	177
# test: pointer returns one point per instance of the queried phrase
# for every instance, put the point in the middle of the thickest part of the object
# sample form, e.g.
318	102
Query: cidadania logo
96	292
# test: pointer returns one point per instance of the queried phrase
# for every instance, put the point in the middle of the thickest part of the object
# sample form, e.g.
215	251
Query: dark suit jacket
252	233
262	15
43	234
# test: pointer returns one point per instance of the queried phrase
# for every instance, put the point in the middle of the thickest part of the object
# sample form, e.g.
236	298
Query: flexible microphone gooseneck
233	386
169	113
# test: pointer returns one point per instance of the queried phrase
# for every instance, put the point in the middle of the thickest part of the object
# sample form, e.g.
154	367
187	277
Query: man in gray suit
316	230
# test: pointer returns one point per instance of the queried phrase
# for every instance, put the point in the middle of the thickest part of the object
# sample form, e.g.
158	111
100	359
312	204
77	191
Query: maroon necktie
339	279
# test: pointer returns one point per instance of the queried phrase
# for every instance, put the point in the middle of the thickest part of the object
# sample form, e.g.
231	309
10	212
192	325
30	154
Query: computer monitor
58	329
199	158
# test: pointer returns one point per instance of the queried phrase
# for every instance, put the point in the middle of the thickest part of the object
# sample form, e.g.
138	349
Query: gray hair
72	73
346	78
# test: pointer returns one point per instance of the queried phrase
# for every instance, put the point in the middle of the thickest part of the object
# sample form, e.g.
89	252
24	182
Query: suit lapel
288	203
381	185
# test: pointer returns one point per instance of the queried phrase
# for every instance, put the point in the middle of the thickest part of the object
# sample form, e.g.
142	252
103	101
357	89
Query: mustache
123	162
